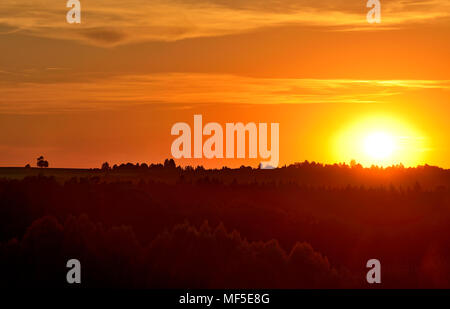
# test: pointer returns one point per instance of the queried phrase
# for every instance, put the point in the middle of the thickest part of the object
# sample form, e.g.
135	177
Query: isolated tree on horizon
41	162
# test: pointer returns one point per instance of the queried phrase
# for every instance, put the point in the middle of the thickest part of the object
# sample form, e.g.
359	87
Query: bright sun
379	145
380	140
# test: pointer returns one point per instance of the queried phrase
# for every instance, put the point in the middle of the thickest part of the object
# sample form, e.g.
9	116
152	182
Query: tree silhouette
169	163
106	167
41	162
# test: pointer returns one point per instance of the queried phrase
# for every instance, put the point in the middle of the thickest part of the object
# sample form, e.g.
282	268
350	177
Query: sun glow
382	141
379	145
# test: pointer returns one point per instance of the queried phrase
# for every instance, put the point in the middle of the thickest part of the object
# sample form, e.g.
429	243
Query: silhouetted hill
302	226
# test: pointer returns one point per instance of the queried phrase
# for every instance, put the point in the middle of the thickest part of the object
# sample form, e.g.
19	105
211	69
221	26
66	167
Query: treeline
307	173
211	229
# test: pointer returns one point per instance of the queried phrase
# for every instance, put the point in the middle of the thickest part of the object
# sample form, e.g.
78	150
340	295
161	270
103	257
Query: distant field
306	174
64	174
59	173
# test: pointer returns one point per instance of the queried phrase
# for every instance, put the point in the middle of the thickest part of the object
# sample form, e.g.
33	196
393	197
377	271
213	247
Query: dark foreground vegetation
302	226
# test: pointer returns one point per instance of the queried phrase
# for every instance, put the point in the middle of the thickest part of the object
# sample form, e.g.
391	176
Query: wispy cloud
190	89
114	22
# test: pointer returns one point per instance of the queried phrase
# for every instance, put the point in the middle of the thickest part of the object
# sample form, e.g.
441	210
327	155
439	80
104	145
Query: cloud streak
188	89
114	22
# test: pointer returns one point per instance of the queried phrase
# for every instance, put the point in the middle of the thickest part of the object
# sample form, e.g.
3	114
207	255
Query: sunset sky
110	88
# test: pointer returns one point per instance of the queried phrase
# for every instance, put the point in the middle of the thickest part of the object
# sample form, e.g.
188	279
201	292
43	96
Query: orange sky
111	88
